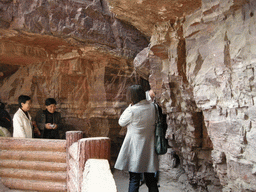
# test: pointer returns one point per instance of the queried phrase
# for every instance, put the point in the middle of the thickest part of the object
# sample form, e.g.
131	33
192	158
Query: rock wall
203	73
75	51
200	62
221	57
186	132
85	89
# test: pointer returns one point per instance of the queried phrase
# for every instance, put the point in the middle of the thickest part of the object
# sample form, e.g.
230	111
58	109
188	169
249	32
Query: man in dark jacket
49	121
5	118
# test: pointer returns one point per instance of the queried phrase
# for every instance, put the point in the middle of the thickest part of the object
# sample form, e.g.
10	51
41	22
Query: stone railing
55	165
33	164
78	152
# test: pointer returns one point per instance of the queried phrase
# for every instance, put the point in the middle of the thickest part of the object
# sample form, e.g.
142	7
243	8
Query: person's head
24	102
50	104
135	94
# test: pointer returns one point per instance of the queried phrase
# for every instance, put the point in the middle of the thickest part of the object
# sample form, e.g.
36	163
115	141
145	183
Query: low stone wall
51	165
33	164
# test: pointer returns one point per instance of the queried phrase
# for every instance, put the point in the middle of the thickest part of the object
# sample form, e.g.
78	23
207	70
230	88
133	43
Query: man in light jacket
22	124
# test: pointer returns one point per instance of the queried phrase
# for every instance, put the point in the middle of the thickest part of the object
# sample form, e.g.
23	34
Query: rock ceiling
31	31
144	14
36	31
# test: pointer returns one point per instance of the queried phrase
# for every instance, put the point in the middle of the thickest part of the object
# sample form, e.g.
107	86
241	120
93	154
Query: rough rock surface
221	60
202	69
75	51
145	14
200	62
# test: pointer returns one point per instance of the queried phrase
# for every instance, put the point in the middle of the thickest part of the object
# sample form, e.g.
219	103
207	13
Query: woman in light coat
22	124
137	154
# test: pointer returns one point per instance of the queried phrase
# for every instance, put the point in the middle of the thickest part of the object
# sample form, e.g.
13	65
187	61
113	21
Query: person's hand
34	124
151	94
54	126
48	126
51	126
37	131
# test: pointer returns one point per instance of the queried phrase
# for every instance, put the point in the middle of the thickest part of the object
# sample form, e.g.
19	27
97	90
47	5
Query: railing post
94	147
71	137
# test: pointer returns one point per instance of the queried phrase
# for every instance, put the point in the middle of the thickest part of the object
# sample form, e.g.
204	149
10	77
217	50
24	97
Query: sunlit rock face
74	51
203	75
221	55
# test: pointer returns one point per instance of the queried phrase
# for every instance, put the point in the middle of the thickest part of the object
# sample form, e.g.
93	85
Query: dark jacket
41	120
5	119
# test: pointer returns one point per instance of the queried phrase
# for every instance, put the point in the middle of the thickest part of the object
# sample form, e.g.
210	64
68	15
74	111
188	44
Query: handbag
161	144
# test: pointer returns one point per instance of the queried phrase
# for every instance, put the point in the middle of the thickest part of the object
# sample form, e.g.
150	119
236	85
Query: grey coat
137	153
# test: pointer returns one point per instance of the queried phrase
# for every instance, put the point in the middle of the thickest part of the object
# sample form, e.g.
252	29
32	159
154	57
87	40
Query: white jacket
22	125
137	153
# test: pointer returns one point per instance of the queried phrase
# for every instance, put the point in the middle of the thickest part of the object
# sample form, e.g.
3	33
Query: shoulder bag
160	141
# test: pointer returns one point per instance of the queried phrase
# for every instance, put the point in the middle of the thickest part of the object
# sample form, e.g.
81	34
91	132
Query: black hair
135	94
50	101
23	99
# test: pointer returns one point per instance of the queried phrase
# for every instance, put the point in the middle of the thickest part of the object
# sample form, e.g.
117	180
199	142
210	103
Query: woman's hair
23	99
135	94
50	101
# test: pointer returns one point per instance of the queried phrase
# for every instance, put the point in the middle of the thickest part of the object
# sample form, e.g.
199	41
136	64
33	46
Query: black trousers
150	179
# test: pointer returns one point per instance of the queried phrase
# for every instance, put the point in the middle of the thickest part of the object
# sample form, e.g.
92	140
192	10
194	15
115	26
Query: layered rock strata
203	73
200	63
220	48
74	51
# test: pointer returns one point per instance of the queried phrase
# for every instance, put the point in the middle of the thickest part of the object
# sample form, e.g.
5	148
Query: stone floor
122	181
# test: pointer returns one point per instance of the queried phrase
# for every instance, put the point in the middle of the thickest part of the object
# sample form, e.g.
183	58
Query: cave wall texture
74	51
197	55
202	69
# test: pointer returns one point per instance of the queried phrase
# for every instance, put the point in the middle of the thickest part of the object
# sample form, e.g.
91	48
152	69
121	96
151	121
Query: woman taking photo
137	154
49	120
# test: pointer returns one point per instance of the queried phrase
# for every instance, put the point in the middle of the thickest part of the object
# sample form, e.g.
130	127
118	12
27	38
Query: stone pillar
92	148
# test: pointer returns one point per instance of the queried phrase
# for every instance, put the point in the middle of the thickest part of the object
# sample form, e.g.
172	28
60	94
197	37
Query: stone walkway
122	182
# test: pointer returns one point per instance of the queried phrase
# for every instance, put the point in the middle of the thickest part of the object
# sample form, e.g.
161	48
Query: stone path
122	181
